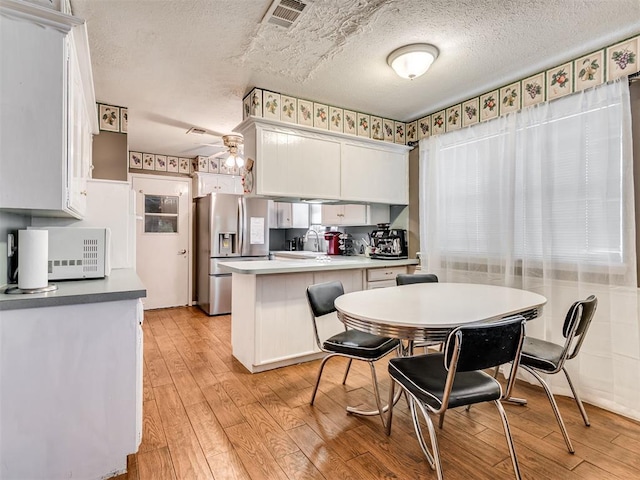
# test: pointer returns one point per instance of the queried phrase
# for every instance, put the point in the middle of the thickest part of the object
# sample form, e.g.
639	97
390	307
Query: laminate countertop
282	264
122	284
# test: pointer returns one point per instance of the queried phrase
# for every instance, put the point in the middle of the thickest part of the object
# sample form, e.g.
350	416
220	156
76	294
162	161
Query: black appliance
389	244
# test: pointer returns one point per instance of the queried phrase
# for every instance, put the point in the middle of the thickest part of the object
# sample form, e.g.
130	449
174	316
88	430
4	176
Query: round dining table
429	311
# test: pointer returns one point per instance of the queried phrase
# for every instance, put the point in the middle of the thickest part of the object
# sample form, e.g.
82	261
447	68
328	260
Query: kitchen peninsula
270	321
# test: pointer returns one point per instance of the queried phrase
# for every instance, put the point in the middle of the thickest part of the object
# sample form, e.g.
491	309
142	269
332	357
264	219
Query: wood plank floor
206	417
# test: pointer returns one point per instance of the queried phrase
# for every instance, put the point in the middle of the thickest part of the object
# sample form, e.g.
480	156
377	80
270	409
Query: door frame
190	240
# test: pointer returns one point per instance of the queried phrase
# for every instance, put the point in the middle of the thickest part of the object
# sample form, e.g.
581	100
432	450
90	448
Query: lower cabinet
271	322
383	277
70	389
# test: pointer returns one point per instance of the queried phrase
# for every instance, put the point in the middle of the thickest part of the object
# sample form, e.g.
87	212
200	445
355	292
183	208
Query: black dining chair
437	382
540	356
410	279
352	344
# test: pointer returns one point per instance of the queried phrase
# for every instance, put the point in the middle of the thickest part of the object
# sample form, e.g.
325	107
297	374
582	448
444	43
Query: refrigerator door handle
241	225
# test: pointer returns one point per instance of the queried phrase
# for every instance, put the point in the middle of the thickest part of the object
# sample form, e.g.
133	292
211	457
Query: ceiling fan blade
221	154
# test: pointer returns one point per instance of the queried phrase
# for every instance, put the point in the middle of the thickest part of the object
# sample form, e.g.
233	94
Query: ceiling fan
232	145
234	153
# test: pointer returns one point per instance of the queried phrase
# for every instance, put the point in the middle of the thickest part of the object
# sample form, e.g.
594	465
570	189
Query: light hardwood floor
206	417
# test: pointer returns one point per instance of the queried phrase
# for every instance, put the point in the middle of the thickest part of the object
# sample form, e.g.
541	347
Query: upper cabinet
373	173
47	111
288	215
303	162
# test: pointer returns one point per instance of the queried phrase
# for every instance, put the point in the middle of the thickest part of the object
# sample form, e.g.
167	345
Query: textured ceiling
182	63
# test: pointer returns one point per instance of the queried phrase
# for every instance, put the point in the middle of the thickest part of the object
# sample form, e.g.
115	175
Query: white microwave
76	253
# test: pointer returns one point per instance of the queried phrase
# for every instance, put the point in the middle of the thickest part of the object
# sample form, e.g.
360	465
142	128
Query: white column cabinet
47	111
303	162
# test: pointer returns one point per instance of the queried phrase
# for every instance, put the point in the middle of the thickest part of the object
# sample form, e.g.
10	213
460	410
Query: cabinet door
272	163
332	214
313	169
296	165
283	210
354	215
300	215
273	215
32	115
374	174
79	139
229	184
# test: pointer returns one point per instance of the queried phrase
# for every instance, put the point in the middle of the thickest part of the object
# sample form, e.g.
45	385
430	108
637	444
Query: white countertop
122	284
295	265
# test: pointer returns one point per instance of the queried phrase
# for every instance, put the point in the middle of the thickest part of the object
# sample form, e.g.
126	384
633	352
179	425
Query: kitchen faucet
317	244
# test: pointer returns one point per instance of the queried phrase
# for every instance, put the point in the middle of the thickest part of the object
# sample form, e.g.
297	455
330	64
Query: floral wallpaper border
285	108
112	118
605	64
179	165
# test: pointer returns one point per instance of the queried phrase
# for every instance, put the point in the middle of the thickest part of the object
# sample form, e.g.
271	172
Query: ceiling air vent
285	13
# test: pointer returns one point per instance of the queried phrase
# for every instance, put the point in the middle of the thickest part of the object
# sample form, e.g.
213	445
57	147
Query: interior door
163	240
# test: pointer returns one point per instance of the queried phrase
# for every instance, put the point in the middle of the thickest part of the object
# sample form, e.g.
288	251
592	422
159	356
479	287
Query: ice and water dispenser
226	243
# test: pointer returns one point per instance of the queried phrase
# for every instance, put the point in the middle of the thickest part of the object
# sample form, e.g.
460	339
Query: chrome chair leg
583	412
418	429
381	410
346	372
554	406
507	433
391	404
433	459
315	389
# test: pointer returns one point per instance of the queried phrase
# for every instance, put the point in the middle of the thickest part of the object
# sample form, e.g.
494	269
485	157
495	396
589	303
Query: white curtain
543	200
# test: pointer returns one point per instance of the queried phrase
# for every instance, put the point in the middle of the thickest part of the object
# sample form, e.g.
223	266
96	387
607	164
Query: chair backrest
576	324
476	347
409	278
321	298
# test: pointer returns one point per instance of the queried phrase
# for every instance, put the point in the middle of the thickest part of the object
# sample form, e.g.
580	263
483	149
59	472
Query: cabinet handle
182	252
84	192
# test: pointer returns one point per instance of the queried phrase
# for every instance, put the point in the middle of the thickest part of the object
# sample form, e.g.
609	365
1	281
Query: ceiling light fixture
234	158
414	60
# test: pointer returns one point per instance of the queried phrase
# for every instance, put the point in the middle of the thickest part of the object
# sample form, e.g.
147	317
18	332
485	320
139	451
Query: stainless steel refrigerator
228	227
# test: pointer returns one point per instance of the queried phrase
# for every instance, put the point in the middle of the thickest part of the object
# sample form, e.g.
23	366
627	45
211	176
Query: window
547	183
160	214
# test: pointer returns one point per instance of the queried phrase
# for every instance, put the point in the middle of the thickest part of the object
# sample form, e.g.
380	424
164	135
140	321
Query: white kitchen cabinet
289	215
47	111
304	162
383	277
293	164
374	173
344	214
71	389
206	183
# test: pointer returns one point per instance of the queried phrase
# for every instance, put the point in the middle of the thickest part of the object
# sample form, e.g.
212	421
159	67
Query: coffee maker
389	244
333	243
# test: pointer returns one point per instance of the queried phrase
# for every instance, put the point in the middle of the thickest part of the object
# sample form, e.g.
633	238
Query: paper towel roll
33	256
